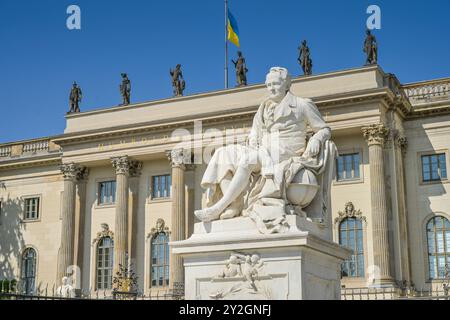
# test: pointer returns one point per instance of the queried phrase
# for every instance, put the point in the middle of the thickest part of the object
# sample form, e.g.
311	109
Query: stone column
80	212
178	159
122	166
376	136
135	173
70	172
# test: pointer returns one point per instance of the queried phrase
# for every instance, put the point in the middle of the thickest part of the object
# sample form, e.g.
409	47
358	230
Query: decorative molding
121	164
82	174
402	143
375	134
104	233
159	228
135	168
125	165
73	171
349	212
179	157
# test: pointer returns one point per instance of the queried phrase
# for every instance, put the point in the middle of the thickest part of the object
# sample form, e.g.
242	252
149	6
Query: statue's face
276	86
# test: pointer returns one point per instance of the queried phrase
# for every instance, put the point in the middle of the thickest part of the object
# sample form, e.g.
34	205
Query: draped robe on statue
275	153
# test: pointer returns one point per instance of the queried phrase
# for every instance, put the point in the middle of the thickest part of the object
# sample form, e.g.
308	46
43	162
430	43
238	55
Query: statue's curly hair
284	74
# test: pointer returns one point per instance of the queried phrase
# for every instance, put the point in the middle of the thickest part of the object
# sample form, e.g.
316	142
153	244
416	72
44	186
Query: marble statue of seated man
254	179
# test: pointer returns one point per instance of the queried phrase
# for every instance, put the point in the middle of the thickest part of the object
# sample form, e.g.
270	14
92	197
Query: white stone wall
44	234
424	200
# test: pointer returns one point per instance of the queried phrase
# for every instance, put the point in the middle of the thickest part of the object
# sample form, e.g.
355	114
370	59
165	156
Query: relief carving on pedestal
246	269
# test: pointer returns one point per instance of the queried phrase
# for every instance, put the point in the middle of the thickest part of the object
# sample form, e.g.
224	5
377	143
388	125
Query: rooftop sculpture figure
75	98
125	89
241	70
178	82
304	59
371	48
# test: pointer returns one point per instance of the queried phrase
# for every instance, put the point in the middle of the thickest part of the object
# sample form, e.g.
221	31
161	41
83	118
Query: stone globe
303	188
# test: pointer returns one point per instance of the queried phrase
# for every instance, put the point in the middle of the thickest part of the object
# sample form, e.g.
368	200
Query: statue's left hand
313	147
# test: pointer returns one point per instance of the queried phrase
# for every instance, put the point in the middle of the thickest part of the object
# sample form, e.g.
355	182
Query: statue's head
278	82
368	32
124	75
304	43
64	280
239	53
74	84
178	66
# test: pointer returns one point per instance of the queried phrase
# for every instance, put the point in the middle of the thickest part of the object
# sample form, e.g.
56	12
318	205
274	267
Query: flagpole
226	44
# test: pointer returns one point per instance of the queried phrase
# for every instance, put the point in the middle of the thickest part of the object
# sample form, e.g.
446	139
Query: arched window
351	237
28	271
160	259
105	256
438	236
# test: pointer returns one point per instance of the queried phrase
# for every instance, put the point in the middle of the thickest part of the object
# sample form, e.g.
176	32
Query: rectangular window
347	167
31	208
161	186
107	192
434	167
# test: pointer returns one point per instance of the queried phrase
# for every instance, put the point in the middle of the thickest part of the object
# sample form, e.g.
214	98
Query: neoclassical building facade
118	185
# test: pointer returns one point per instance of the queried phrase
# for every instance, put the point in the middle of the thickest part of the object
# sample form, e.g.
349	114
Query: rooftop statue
241	70
277	172
304	58
75	98
125	89
371	48
178	82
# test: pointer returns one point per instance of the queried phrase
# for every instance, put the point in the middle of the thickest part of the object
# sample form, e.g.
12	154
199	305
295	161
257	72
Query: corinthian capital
179	157
125	165
375	134
135	168
73	171
82	173
69	171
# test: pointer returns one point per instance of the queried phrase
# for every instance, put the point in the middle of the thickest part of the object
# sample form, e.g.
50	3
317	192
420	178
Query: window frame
422	182
24	208
348	151
355	231
430	167
35	269
166	249
98	187
151	188
97	260
427	254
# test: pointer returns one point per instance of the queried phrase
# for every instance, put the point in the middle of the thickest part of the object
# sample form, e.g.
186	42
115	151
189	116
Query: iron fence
14	292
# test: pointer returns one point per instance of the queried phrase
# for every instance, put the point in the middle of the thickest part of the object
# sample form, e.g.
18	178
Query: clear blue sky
40	57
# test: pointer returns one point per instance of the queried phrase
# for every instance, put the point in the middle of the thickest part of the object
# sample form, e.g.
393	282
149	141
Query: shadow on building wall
424	199
11	237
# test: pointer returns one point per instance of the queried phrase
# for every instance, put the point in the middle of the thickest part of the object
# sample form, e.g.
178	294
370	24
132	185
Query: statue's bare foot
208	214
229	213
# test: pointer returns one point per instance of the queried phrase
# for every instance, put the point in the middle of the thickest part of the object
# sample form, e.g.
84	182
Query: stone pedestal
230	259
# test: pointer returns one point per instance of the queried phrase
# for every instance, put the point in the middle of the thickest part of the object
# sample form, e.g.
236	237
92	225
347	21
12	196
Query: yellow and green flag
233	30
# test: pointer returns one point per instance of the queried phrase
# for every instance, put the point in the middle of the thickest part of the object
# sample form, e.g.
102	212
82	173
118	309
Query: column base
230	259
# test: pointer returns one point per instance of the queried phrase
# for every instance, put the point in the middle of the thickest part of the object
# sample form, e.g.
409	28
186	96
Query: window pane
443	166
432	263
348	166
434	171
356	165
340	168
